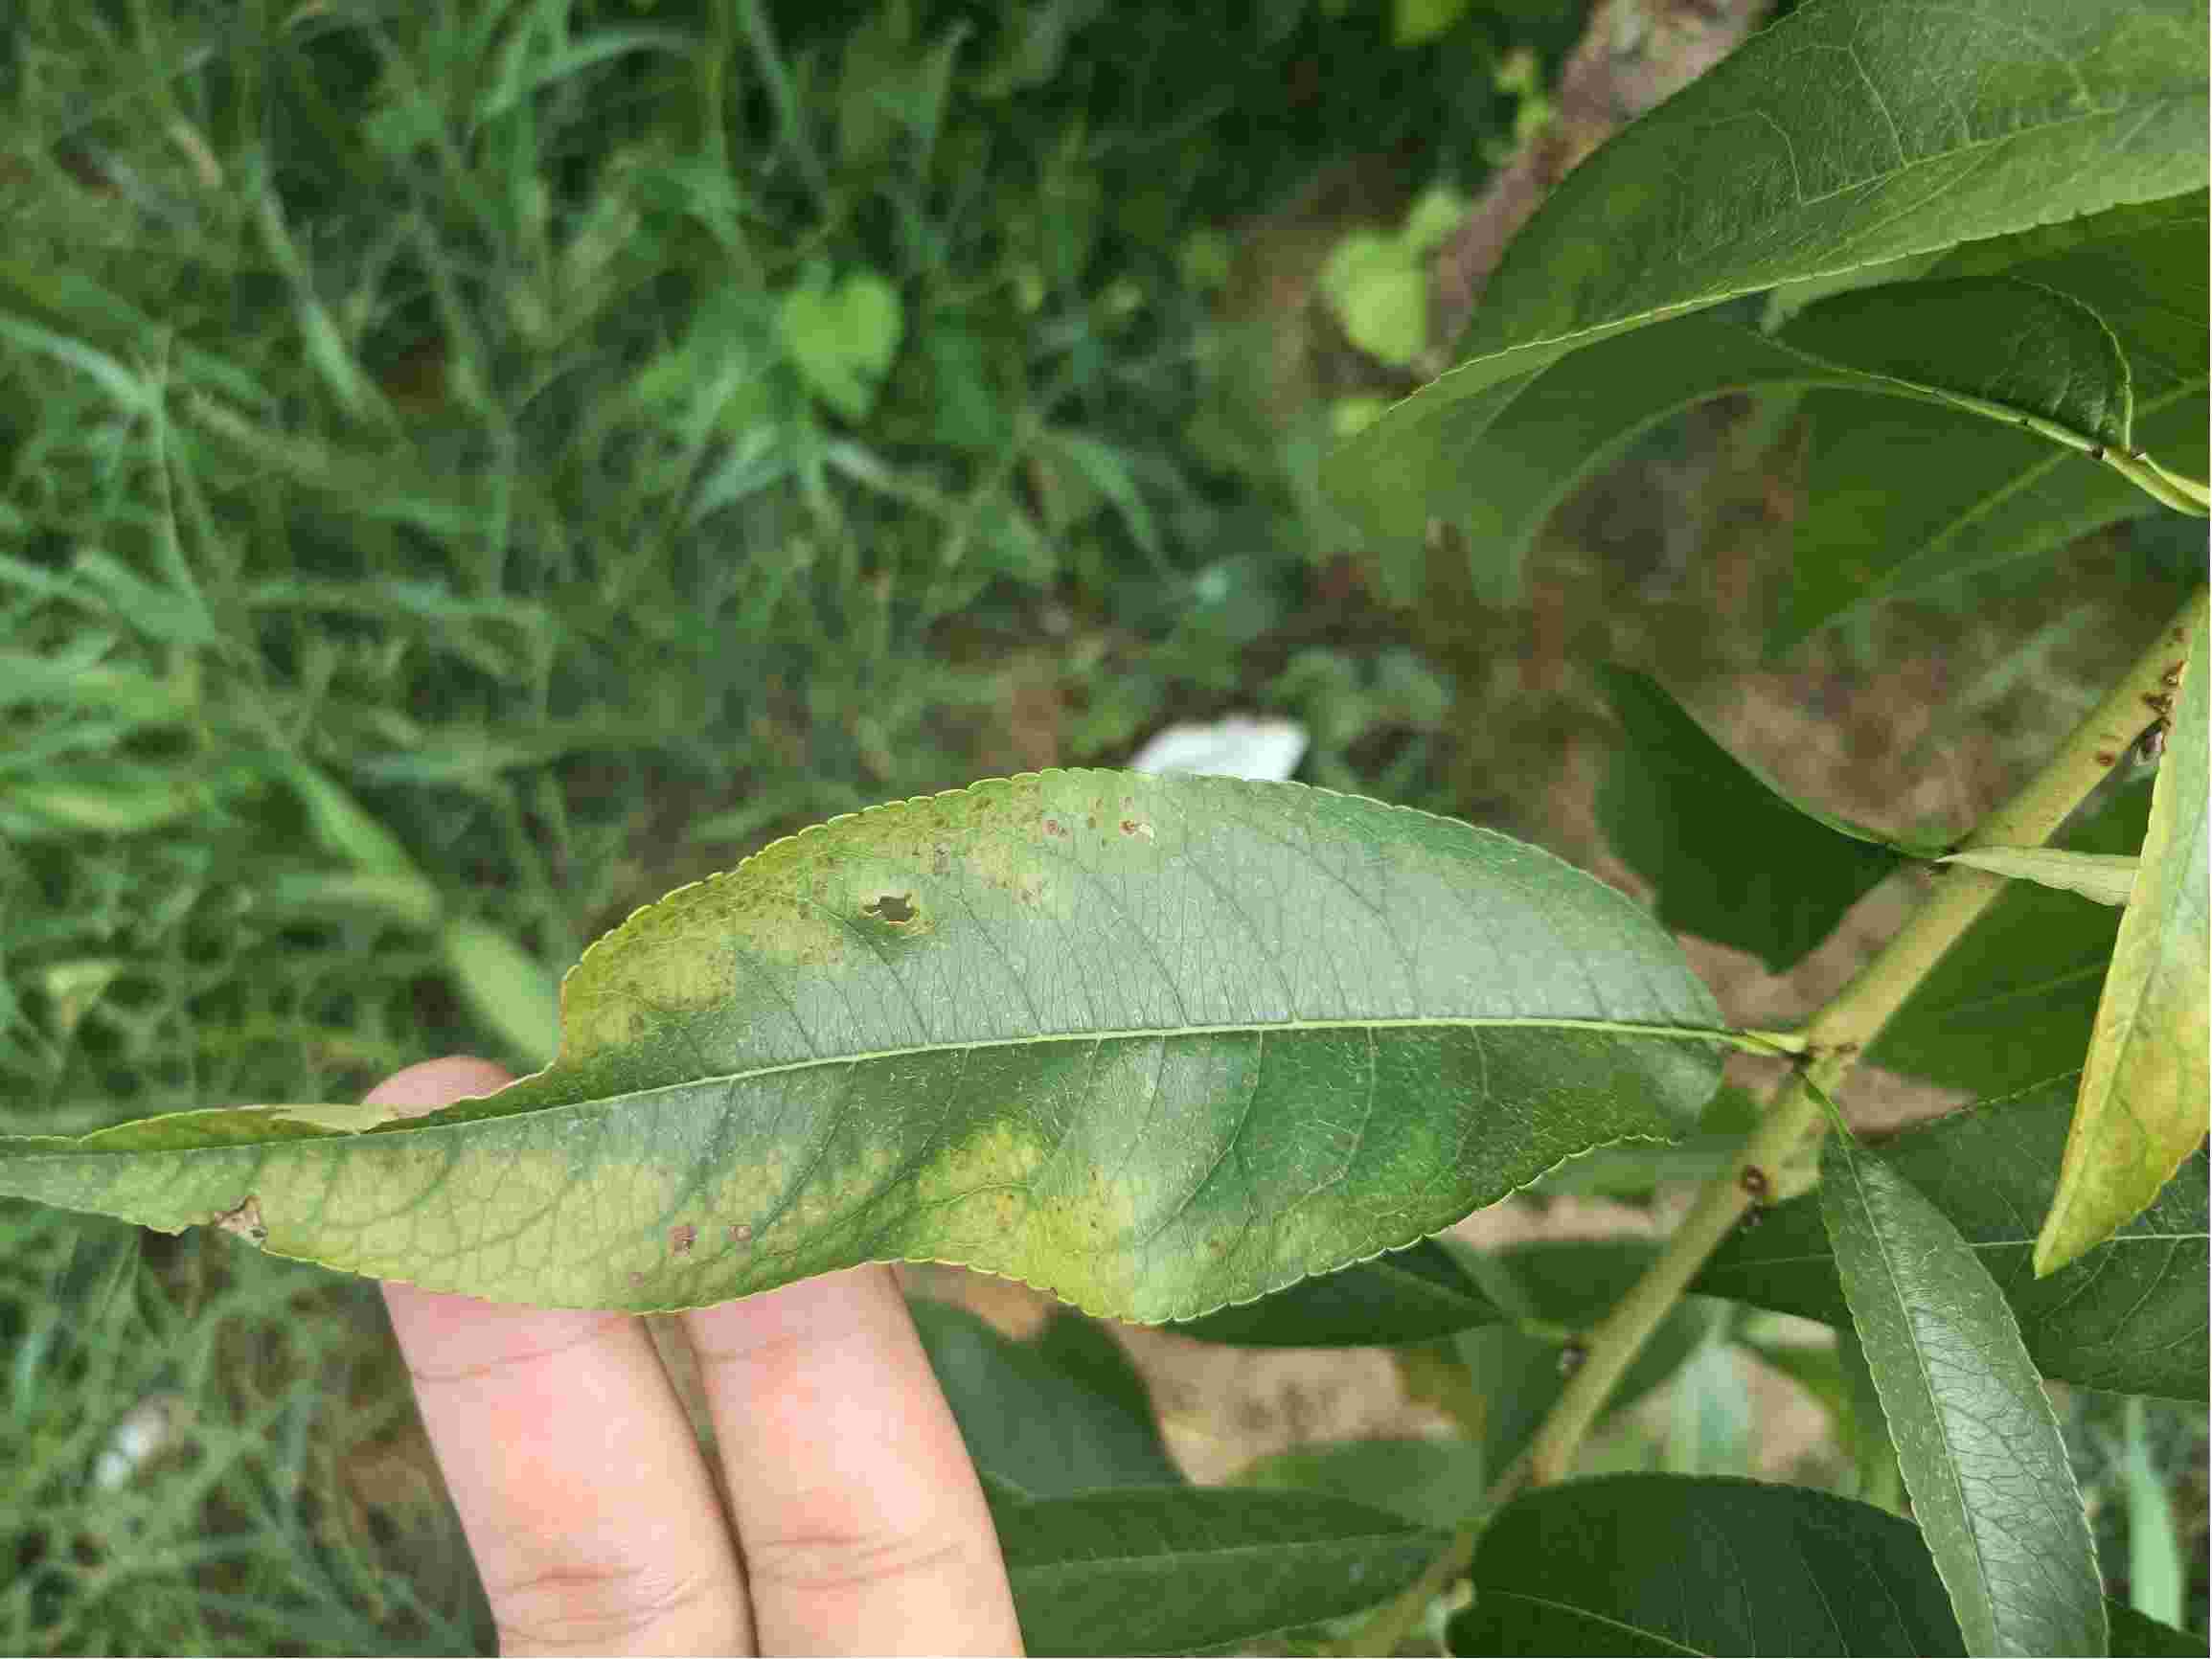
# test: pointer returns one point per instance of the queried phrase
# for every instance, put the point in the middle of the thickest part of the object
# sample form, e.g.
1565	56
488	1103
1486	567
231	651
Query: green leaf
2105	877
1633	1172
1155	1044
1194	1569
2157	1570
1705	1565
1570	421
1731	857
1851	134
2012	1002
1976	1440
2142	1108
2138	1634
1409	1295
842	337
2003	346
1437	1483
1060	1414
1902	501
2128	1317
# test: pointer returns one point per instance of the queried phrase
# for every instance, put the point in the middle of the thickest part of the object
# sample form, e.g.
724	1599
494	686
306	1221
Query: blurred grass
466	468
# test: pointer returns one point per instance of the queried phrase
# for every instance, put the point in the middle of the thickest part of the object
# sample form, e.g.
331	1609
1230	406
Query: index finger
587	1502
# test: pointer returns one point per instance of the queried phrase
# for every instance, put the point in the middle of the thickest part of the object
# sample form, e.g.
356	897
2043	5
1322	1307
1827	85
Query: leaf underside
1158	1045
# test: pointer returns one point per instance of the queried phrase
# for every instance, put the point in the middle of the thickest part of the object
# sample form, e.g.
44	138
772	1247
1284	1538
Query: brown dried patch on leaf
244	1222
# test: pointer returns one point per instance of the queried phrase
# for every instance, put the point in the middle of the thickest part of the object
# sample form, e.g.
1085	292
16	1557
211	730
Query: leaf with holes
1155	1044
1976	1440
2128	1317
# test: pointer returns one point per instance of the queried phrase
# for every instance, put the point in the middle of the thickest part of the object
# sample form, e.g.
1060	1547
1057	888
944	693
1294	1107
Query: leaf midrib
418	1126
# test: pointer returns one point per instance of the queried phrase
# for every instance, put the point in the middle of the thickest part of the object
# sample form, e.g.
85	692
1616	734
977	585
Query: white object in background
1237	747
146	1428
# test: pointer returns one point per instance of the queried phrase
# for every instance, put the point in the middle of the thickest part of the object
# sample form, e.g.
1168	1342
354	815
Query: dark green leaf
1194	1569
1438	1482
1406	1296
1901	500
1669	1564
2140	1636
1577	416
1976	1440
1851	134
2142	1105
2009	345
1158	1045
2128	1317
1731	857
2012	1002
1062	1414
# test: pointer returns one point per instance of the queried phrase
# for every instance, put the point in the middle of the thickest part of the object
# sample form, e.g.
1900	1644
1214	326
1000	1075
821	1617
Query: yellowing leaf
2107	877
2142	1105
1156	1044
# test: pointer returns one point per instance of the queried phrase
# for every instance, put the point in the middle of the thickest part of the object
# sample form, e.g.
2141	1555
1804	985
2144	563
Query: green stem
2173	489
1840	1031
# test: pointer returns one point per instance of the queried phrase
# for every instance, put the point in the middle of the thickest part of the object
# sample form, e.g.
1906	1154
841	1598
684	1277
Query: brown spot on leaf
682	1238
1753	1180
742	1233
895	908
1052	827
1136	827
2106	758
244	1222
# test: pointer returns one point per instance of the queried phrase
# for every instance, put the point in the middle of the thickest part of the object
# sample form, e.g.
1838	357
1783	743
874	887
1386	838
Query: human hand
855	1523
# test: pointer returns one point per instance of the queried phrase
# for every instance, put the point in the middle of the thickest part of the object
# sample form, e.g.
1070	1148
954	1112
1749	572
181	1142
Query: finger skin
864	1526
586	1500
